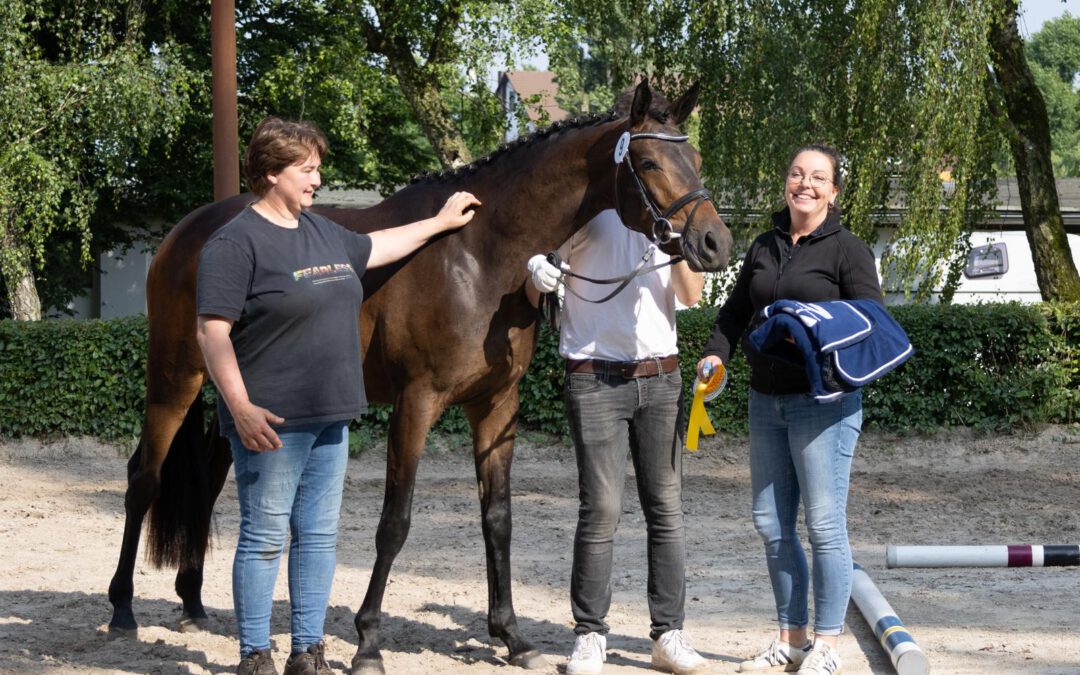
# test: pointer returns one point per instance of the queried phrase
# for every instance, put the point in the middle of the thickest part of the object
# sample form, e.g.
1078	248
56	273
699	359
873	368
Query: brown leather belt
625	369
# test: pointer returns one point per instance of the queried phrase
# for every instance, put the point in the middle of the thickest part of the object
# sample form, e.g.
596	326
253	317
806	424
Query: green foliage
72	378
728	410
1054	56
780	75
542	387
992	366
79	96
1064	324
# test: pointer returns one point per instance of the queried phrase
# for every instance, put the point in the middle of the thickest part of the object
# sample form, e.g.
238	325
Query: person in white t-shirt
623	398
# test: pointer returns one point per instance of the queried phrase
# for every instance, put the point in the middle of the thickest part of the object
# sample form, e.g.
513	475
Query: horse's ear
681	108
639	109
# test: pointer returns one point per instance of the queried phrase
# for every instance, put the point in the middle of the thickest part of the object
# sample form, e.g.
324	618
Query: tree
901	88
1029	140
428	45
296	59
1054	56
777	75
78	97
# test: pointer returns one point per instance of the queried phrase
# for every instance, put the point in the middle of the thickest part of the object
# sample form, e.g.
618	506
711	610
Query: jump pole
907	657
1011	555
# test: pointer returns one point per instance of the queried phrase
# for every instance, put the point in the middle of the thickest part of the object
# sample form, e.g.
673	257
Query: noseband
663	232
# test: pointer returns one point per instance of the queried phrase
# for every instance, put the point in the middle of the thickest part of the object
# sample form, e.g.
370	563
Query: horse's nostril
710	242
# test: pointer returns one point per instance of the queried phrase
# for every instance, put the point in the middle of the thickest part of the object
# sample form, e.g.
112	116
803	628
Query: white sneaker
778	656
822	660
672	653
590	652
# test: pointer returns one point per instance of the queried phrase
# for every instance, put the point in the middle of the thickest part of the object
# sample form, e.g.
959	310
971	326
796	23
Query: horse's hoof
118	633
367	665
531	659
190	624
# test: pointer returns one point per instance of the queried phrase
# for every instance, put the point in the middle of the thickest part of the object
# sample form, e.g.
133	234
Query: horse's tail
178	530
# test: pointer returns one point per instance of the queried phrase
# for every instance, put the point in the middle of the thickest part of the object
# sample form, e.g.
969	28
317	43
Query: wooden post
223	70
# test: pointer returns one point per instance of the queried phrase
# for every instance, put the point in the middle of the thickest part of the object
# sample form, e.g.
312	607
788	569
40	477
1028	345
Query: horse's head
658	183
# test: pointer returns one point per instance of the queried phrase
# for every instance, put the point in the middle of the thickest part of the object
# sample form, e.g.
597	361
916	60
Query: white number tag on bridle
622	147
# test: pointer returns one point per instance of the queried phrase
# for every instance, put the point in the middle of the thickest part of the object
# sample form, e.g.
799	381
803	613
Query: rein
623	281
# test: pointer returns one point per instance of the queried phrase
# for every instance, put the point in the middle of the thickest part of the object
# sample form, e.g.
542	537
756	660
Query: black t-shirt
294	296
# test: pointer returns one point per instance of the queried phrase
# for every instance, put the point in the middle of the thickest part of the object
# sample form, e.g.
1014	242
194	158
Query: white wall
123	282
1017	284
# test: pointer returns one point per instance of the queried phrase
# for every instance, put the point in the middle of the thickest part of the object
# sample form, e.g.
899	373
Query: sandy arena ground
62	508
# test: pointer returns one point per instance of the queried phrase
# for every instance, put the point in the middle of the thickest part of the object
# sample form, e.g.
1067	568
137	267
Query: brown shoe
258	662
311	662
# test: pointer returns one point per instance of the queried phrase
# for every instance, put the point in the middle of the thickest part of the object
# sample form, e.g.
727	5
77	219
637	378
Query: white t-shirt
639	322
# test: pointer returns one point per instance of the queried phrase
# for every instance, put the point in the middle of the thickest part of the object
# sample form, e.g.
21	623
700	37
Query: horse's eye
649	165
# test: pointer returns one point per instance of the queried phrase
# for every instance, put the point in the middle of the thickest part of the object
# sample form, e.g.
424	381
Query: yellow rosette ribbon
715	379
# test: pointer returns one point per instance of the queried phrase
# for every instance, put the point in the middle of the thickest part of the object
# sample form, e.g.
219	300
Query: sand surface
62	518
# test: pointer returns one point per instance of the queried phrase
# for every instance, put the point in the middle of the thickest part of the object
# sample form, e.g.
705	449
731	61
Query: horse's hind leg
189	579
160	425
494	427
409	425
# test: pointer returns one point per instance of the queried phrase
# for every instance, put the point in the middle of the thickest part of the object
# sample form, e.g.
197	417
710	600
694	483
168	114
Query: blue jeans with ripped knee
291	495
801	450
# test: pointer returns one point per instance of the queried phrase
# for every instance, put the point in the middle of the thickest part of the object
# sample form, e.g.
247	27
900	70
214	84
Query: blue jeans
802	448
292	494
610	418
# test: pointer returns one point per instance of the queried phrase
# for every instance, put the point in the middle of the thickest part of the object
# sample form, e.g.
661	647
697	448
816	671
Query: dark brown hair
277	144
827	150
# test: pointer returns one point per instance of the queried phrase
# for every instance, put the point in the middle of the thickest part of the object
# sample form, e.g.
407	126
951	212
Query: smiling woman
800	449
813	183
273	283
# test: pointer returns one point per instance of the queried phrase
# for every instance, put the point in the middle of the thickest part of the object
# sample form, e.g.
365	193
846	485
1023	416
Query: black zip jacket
830	263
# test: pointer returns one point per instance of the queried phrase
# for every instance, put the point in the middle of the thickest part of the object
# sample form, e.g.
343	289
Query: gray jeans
611	418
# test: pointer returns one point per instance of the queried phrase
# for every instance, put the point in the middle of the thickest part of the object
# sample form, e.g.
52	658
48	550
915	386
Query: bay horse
450	325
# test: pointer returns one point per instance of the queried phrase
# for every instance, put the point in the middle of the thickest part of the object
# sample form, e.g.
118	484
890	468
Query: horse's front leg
494	426
409	425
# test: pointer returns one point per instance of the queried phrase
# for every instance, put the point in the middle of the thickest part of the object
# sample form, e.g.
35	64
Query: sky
1034	12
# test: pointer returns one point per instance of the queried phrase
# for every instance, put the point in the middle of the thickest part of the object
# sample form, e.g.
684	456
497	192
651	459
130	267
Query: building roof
529	83
1005	212
347	198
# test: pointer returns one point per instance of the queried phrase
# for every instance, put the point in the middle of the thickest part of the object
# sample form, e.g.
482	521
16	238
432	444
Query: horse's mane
657	111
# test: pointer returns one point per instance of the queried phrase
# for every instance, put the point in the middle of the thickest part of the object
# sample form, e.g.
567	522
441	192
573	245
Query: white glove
545	276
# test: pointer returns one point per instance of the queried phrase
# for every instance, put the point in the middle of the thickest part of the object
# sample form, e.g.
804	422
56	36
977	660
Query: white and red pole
1011	555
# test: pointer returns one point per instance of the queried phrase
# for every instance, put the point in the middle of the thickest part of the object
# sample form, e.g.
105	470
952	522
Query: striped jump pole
1011	555
907	657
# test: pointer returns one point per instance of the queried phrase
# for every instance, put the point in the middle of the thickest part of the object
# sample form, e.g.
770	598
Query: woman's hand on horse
457	210
253	427
711	359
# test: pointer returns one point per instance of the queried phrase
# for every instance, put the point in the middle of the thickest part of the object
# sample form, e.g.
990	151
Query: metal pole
223	69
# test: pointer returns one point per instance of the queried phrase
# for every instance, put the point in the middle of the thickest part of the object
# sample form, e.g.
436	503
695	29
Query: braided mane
579	122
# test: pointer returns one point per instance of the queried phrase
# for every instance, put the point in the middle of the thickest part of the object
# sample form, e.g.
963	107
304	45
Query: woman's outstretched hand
457	210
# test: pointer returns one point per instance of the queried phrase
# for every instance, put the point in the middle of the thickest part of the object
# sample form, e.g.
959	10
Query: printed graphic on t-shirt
323	274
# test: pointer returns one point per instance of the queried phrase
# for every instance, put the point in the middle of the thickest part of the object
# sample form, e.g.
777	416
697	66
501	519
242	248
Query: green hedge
991	366
60	378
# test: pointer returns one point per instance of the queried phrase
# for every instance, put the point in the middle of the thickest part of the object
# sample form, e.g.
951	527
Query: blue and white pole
907	657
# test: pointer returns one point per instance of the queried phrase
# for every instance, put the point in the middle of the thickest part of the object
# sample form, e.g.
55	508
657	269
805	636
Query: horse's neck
542	197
